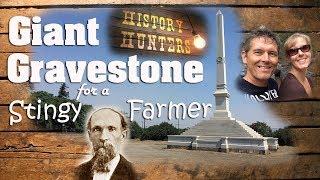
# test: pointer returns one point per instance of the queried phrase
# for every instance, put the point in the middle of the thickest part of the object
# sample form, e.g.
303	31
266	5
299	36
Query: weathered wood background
27	152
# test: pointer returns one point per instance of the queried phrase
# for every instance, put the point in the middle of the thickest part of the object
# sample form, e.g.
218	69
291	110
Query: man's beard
102	155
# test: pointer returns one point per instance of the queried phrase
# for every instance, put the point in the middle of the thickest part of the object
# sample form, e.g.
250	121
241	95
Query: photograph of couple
260	52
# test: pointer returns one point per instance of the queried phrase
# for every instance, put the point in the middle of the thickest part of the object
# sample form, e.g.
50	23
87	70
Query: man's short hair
261	31
123	118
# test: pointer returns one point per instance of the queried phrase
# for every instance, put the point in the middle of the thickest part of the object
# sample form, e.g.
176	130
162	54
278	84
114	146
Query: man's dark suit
123	171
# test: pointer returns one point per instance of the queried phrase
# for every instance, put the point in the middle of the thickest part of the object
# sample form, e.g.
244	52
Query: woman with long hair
296	85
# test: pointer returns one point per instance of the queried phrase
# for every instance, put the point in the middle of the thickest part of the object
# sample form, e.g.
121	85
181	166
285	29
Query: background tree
135	130
262	128
52	124
159	132
63	91
285	136
156	132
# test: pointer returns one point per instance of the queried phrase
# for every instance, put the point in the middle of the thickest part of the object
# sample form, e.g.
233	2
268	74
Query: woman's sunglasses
292	52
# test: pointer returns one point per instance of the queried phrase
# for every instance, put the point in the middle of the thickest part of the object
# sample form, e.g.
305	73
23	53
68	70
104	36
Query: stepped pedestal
223	135
221	128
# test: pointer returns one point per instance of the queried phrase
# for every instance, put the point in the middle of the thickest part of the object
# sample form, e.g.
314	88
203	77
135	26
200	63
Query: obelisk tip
219	12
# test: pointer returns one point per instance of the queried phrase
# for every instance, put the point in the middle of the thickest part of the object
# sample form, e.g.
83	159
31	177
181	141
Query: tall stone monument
221	94
222	132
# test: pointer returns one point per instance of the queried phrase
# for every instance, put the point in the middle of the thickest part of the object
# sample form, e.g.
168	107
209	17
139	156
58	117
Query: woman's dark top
291	89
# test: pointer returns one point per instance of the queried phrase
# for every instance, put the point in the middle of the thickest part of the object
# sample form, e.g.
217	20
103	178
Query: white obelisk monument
222	132
221	94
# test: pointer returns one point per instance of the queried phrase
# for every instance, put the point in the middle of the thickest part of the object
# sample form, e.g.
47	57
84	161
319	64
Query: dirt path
149	151
154	161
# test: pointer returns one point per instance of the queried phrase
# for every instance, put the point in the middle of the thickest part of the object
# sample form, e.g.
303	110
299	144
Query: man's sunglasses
292	52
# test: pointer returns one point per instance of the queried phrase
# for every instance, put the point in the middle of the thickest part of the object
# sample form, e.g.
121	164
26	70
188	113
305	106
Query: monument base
222	115
223	135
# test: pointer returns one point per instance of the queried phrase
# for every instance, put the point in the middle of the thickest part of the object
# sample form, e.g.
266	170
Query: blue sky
157	92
